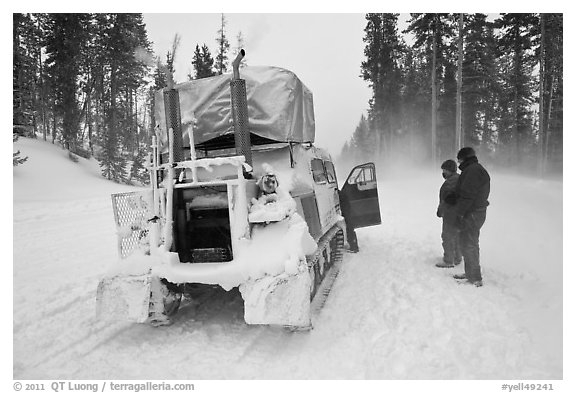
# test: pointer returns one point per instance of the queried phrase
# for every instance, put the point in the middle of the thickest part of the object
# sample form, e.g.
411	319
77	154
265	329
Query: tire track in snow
81	338
57	309
70	233
220	318
83	344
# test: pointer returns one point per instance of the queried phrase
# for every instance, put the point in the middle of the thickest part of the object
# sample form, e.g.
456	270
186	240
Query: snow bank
390	315
50	175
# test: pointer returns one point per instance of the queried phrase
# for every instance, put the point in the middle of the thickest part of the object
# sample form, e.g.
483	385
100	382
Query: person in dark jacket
446	210
472	190
350	232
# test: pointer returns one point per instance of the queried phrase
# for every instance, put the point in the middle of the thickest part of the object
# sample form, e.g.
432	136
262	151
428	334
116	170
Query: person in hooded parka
446	210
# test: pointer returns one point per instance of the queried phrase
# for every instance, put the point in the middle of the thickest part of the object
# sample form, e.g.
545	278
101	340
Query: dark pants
451	242
469	241
351	237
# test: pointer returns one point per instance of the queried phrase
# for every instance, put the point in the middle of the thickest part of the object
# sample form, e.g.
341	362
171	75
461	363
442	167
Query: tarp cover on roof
279	106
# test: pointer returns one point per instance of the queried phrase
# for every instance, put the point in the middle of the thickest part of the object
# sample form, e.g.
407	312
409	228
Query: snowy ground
391	313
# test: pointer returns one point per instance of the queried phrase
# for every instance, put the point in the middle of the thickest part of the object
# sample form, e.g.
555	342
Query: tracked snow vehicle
239	197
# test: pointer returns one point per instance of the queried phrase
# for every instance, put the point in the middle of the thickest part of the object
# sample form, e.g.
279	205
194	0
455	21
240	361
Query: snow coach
239	197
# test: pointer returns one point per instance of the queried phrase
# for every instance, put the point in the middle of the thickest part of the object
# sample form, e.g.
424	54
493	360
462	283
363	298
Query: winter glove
451	198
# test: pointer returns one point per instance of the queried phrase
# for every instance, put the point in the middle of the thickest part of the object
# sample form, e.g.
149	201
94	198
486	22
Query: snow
391	314
208	163
219	200
271	207
276	248
265	299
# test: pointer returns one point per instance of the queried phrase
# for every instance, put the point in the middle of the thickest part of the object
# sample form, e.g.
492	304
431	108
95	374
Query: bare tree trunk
135	94
541	125
547	129
54	124
34	122
434	94
42	93
459	84
515	130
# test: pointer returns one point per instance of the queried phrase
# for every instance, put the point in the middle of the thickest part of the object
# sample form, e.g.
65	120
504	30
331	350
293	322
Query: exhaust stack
239	102
174	121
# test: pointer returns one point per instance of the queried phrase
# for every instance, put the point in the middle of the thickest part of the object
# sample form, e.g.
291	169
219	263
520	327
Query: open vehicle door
359	197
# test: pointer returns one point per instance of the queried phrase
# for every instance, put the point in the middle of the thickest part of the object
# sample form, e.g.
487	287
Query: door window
362	175
330	172
318	171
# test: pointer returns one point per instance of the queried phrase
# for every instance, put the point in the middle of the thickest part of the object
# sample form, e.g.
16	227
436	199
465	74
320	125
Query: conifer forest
86	82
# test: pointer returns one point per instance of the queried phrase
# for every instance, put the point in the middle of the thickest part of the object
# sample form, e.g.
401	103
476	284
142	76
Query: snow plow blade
125	298
281	300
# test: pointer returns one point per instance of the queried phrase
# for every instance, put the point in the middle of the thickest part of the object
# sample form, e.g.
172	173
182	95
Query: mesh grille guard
132	212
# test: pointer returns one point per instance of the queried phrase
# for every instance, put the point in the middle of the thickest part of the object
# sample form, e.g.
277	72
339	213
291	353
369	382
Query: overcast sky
323	50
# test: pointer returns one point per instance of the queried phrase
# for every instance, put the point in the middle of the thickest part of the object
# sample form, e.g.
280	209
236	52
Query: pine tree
434	33
552	94
20	79
518	64
481	83
159	75
208	62
111	159
126	33
202	62
415	102
138	172
363	142
92	69
29	92
196	63
223	47
16	158
90	82
65	42
446	128
381	69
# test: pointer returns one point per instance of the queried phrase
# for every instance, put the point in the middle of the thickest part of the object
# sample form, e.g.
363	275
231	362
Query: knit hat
449	165
466	152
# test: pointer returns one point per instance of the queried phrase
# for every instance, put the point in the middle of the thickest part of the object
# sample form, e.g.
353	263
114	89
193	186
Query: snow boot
444	264
352	250
460	276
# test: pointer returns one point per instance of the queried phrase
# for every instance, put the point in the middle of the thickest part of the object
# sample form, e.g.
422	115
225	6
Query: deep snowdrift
391	313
